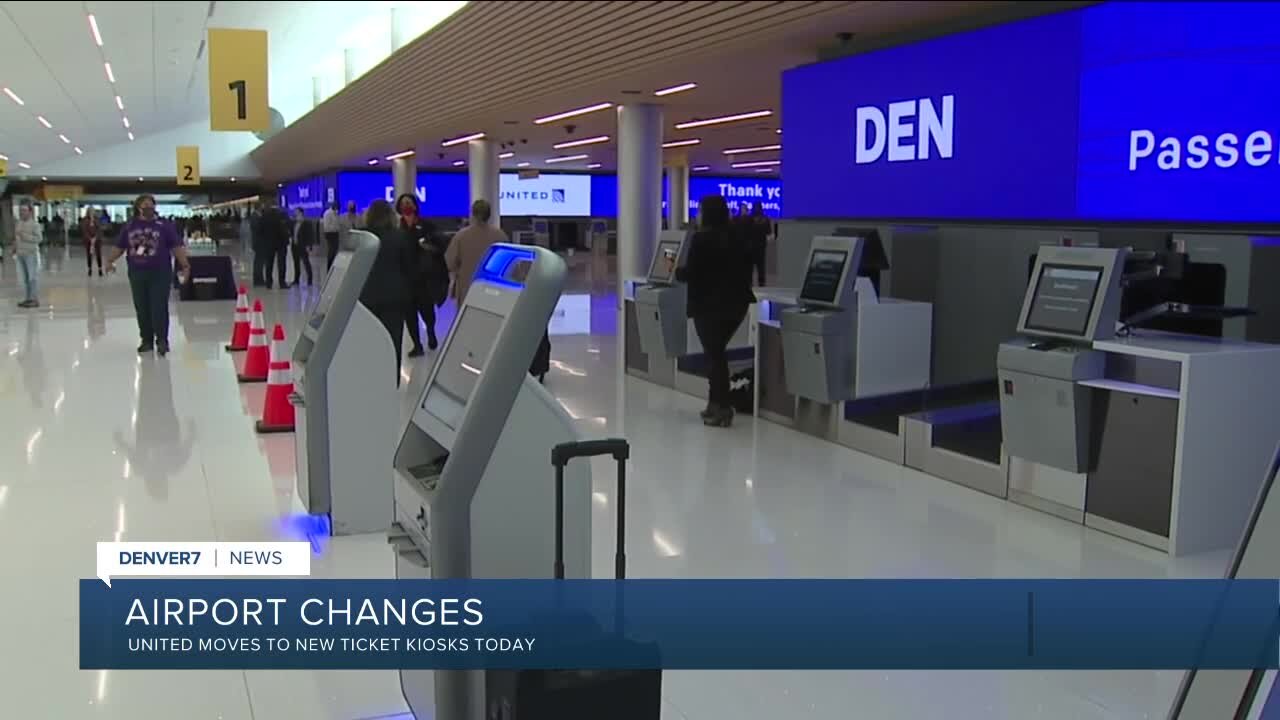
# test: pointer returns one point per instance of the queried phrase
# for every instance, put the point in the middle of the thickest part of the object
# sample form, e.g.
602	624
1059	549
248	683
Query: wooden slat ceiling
494	66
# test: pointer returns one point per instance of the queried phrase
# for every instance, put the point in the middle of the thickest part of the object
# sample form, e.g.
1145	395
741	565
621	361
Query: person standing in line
469	247
385	292
152	245
91	236
278	232
331	226
428	277
27	237
303	237
718	274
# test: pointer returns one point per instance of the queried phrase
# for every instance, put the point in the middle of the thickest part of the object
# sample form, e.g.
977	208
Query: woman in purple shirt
151	244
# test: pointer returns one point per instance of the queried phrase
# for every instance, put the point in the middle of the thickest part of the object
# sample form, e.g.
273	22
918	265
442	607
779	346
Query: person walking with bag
152	245
428	275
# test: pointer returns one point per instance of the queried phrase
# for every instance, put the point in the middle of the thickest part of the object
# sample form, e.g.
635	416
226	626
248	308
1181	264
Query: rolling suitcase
578	694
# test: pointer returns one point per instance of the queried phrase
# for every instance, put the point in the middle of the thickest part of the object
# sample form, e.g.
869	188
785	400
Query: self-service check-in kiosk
1073	299
661	302
839	341
474	495
345	393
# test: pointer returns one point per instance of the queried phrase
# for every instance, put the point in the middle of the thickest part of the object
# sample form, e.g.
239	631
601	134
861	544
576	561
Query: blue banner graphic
684	624
1154	111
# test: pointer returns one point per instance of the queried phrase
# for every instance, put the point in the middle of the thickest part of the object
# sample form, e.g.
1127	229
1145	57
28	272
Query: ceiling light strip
593	166
566	158
584	141
464	138
111	77
700	168
572	113
681	143
675	89
723	119
44	122
758	148
64	138
757	163
93	26
24	166
505	155
459	163
401	154
13	96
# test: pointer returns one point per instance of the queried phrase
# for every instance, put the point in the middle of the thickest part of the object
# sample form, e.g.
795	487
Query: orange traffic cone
240	331
258	361
277	411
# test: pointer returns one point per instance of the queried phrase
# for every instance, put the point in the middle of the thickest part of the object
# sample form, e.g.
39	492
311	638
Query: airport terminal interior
959	367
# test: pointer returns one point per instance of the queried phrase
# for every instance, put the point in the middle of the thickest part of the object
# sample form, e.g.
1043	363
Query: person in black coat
428	275
718	274
270	246
385	292
303	237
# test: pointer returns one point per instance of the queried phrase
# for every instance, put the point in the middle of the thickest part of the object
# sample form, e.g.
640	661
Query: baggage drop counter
345	395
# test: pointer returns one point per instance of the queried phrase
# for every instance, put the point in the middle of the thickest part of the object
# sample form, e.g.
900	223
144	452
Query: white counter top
1171	346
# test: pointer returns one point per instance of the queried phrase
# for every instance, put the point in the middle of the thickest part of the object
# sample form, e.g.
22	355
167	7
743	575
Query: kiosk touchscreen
660	302
474	490
345	394
1248	694
819	335
1072	301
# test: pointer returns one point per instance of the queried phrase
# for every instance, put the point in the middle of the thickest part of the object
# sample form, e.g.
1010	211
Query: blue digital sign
1115	112
735	190
440	194
312	195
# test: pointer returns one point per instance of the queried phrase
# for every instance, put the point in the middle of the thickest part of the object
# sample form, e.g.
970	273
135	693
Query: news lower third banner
679	624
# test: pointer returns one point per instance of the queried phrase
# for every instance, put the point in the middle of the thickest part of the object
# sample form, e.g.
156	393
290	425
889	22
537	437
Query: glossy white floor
97	443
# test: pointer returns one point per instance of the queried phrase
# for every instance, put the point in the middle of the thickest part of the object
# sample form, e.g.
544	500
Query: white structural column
677	192
639	189
483	168
349	69
404	175
399	29
317	91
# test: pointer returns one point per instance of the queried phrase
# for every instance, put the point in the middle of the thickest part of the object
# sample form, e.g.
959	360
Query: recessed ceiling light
459	163
764	170
522	164
373	161
700	168
779	131
233	179
111	77
680	143
464	138
723	119
573	113
505	155
593	166
24	166
93	25
119	102
13	96
758	163
64	139
401	154
675	89
583	141
130	137
139	179
126	122
45	179
566	158
279	185
78	150
756	149
44	122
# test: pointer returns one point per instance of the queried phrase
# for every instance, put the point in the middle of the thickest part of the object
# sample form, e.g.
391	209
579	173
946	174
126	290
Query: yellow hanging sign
238	80
188	165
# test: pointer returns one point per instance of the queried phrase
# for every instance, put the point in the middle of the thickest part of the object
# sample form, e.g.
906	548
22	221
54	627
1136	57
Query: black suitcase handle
561	454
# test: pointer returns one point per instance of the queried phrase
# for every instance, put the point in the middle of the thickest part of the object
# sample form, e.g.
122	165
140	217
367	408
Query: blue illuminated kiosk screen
664	262
330	290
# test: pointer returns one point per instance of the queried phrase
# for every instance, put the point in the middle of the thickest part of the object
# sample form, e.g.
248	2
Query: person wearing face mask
428	276
152	245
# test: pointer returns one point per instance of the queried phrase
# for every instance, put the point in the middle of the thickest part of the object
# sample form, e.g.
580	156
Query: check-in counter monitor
1072	301
474	489
819	335
661	302
541	233
345	393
